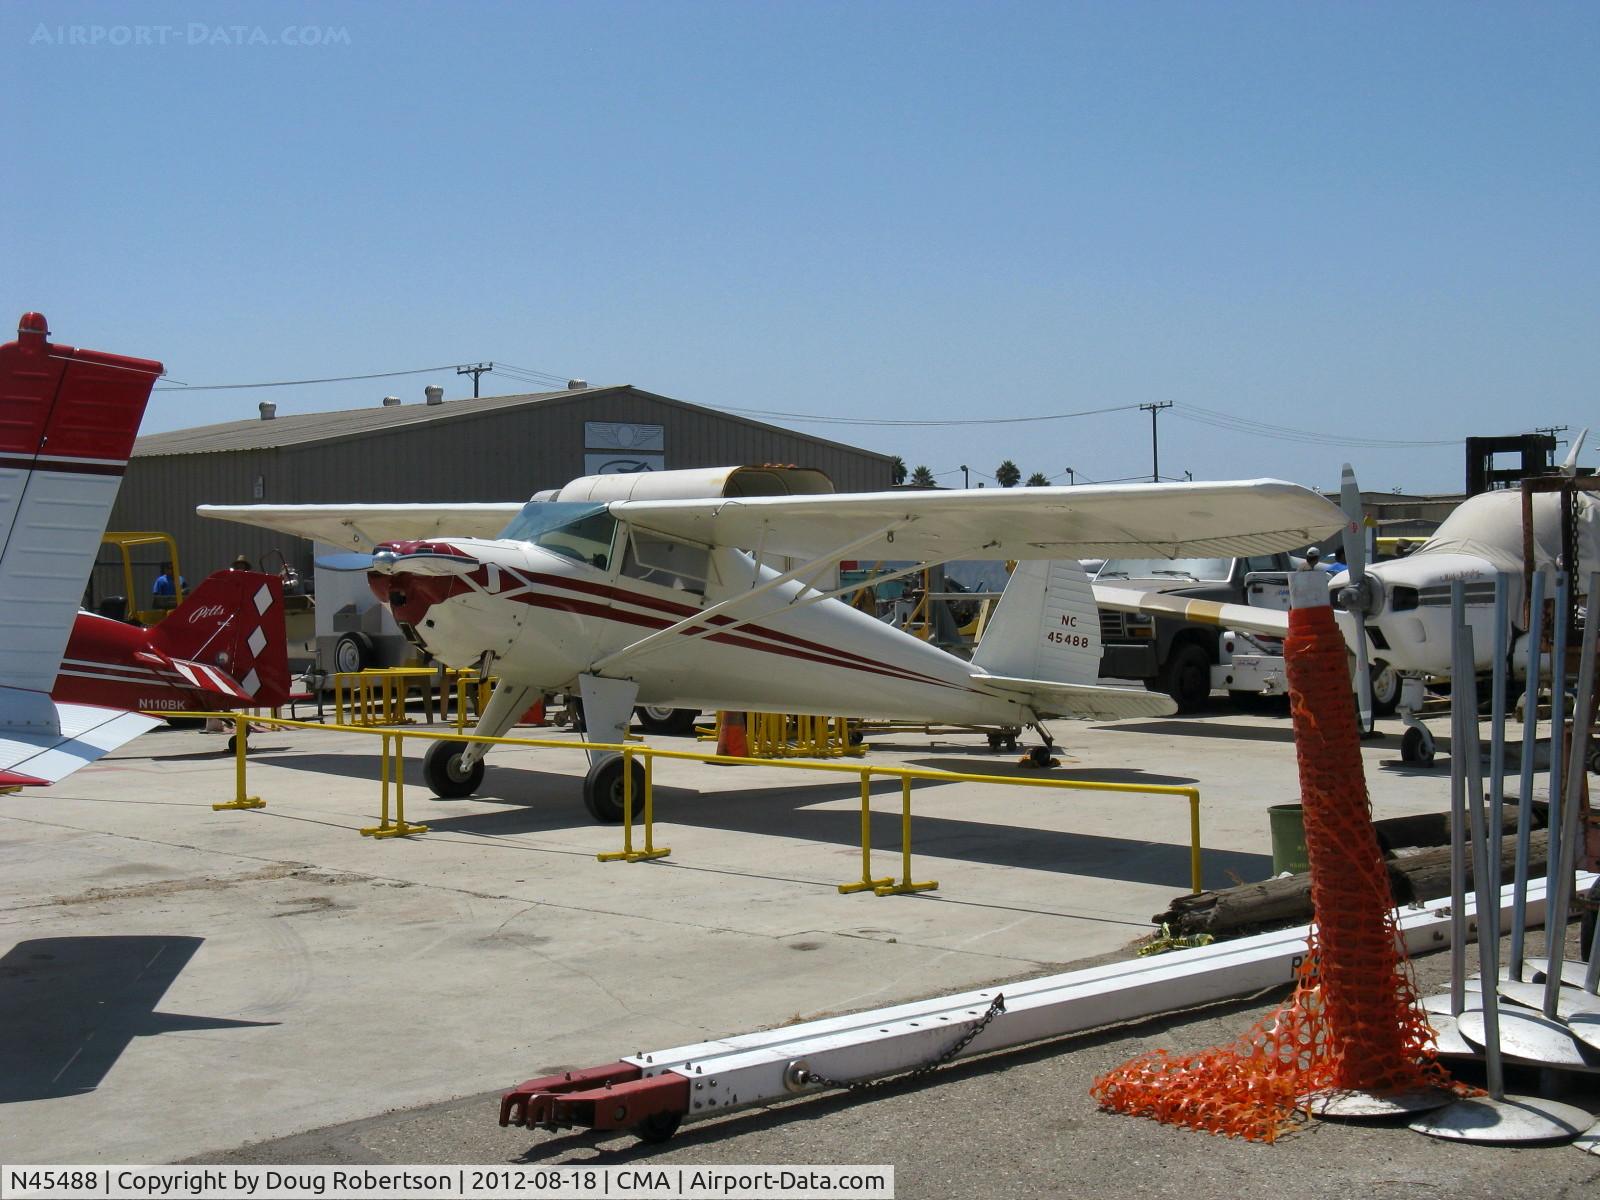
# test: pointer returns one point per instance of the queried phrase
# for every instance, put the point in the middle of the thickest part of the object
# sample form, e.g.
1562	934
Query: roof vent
434	393
577	385
391	401
269	410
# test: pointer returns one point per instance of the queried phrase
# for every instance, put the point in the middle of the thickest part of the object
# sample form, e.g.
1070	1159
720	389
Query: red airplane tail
232	624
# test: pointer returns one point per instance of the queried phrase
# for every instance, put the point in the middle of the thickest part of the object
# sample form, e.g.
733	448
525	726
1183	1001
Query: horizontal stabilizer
81	733
1095	701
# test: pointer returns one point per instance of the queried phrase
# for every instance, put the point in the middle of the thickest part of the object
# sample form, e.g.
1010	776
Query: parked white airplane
1396	614
650	589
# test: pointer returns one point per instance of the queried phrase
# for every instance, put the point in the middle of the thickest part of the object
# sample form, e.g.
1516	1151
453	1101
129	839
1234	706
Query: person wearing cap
240	564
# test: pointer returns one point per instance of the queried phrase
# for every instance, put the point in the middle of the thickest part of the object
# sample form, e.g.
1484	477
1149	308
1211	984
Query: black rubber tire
1385	689
668	722
1040	756
441	768
657	1127
1187	677
602	790
353	652
1002	741
1414	750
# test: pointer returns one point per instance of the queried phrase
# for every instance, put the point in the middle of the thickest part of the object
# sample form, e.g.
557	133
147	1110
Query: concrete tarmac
179	983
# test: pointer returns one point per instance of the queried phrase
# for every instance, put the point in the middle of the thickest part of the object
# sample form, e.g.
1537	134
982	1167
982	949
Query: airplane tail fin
1045	627
68	418
232	625
1043	643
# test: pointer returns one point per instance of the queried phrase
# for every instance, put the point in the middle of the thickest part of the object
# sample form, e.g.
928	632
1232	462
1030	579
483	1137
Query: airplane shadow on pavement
546	801
70	1007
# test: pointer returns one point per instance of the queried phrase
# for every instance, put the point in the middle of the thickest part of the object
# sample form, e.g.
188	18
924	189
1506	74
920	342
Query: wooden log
1273	903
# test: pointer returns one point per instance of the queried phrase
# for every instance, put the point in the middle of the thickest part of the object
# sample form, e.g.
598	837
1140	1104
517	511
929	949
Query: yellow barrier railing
394	743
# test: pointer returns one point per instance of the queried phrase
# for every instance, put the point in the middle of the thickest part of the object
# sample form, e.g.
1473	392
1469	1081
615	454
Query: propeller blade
1355	525
1570	466
345	562
1363	679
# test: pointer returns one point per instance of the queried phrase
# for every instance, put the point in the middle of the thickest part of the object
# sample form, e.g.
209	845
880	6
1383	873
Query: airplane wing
363	526
1166	520
37	755
1247	617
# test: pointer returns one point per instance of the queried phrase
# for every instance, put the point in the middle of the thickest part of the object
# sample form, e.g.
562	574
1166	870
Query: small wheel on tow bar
1416	747
441	767
1040	757
657	1127
602	790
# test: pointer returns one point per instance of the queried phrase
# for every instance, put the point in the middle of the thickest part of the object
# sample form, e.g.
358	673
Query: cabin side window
665	563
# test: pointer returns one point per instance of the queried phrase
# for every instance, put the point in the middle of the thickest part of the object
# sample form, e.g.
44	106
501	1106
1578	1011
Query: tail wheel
442	768
602	790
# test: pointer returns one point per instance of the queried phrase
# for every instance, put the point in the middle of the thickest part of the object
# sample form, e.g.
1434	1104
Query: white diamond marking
251	683
263	599
257	642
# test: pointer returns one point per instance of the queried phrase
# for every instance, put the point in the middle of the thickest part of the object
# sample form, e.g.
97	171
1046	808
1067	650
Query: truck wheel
441	767
353	652
1187	677
669	722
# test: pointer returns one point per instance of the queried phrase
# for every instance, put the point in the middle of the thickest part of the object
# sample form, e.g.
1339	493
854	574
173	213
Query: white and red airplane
651	589
72	684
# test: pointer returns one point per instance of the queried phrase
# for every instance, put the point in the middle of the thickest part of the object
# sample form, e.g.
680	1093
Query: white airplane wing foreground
363	526
1166	520
83	732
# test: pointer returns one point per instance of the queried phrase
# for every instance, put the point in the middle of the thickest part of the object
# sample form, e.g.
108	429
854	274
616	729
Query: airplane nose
409	596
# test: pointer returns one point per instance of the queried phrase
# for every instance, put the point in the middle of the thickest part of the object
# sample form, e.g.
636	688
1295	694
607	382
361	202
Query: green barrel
1288	824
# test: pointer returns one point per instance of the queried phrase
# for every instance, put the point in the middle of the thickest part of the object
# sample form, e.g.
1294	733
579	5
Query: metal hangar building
496	448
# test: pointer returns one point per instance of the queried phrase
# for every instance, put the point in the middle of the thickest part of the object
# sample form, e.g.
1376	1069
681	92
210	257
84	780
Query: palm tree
1037	479
898	470
922	477
1007	474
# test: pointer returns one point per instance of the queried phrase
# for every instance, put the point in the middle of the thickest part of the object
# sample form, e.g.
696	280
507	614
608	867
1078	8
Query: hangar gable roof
299	429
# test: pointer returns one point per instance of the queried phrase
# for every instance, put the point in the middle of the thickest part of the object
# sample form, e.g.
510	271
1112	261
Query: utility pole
475	370
1072	477
966	479
1155	451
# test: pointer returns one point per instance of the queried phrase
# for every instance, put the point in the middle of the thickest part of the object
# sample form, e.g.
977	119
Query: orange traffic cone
730	735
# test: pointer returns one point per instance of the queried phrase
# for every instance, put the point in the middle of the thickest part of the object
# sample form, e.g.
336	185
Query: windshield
580	531
1167	568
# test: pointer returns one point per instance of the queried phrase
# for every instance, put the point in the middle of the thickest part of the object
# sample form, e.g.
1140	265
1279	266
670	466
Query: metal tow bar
610	1097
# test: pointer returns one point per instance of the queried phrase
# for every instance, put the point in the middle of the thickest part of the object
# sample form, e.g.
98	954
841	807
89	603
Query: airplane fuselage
547	619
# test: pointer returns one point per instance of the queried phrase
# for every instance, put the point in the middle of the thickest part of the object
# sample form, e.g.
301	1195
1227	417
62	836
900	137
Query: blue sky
1355	220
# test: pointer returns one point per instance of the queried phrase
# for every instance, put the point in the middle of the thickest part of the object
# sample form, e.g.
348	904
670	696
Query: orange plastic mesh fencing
1354	1021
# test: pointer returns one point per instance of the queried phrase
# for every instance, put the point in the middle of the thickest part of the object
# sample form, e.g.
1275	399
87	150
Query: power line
1287	433
226	387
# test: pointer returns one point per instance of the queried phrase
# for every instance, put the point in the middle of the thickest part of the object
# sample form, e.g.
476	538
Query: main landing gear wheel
1385	689
602	790
1416	747
1003	741
669	722
441	767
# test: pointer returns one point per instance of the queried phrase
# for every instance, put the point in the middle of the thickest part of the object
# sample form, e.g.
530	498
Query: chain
996	1007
